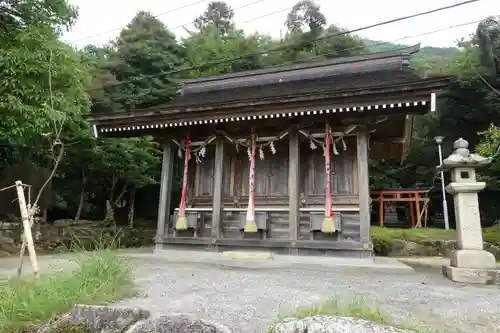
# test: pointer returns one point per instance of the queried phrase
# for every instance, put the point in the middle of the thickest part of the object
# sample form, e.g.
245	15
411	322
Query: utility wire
157	15
162	14
237	8
407	37
313	40
334	53
487	83
265	15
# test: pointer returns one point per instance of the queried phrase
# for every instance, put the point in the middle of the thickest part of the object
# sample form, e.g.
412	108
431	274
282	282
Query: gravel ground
249	300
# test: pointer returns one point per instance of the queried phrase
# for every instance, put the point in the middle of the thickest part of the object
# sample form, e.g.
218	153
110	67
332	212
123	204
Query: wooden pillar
381	211
364	186
165	190
294	185
218	194
417	210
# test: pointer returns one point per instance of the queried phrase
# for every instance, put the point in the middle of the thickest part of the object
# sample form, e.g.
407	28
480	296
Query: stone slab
472	275
388	265
244	255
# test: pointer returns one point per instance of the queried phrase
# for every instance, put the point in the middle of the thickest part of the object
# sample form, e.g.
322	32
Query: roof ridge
401	52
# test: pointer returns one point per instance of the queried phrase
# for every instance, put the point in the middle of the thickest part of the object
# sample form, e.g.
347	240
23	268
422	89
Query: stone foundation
472	275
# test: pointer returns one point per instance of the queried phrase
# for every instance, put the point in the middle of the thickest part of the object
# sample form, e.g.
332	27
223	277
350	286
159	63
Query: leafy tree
343	45
78	170
304	23
488	39
308	35
126	165
43	84
304	15
219	15
17	14
208	45
145	48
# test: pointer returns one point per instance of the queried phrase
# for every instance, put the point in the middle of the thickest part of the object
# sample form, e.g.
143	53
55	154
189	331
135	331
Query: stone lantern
470	263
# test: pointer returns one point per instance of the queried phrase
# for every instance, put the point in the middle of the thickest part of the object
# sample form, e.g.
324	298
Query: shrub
382	245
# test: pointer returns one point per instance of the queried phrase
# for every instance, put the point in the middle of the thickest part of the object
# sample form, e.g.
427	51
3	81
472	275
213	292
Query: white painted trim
273	209
433	102
363	108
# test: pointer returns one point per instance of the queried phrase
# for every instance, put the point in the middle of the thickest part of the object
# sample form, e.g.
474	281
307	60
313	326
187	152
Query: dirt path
249	299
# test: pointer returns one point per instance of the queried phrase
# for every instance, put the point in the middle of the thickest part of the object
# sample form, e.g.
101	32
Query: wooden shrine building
278	158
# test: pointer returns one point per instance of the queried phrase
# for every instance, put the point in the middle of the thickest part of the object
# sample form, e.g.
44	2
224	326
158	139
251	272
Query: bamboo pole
28	237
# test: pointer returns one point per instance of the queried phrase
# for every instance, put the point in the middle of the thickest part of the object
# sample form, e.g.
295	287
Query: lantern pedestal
470	263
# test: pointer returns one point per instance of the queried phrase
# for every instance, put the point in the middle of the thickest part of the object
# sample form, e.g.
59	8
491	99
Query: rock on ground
106	319
178	323
326	324
109	319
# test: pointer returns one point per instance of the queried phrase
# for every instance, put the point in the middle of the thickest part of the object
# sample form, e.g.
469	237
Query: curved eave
402	99
420	87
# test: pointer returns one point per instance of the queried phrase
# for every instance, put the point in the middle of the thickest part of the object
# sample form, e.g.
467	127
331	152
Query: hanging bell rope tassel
181	223
250	226
328	227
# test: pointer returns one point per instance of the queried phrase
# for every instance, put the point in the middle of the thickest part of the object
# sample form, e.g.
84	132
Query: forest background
48	88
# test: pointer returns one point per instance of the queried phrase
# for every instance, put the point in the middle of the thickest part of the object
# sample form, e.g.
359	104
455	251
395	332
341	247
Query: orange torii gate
414	196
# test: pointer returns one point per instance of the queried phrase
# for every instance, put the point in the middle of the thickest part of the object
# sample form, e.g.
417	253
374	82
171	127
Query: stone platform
472	275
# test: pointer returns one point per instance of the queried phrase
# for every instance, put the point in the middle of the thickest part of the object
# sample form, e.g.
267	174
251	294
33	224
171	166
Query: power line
121	27
280	48
237	8
487	83
266	15
162	14
343	50
407	37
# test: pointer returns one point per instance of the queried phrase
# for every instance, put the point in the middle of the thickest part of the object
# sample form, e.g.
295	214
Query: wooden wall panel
344	171
204	174
278	225
271	175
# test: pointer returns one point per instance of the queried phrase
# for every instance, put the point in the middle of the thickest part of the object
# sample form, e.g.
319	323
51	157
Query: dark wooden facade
367	102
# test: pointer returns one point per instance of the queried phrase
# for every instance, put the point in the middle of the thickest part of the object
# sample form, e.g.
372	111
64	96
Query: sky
102	20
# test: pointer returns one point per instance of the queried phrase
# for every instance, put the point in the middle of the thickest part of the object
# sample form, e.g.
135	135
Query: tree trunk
109	219
131	210
44	216
80	203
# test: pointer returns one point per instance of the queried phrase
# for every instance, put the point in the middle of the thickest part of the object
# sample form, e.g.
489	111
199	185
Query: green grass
101	277
416	235
356	308
490	235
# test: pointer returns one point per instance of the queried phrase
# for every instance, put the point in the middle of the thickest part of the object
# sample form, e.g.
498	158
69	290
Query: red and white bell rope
250	225
328	226
182	221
